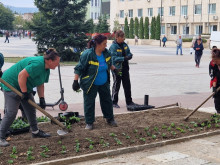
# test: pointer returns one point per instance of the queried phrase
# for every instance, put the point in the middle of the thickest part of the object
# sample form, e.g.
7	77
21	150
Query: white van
214	39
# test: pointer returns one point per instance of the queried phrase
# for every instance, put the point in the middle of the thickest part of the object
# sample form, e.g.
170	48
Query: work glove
25	96
128	57
75	85
1	73
42	103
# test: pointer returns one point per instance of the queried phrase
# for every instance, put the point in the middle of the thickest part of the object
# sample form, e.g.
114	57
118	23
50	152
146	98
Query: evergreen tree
90	26
157	32
131	30
141	29
6	18
136	26
60	24
98	26
126	28
152	30
104	27
116	26
146	28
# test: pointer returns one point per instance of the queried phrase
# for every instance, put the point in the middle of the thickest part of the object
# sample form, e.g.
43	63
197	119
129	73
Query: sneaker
116	106
3	143
41	134
112	122
89	126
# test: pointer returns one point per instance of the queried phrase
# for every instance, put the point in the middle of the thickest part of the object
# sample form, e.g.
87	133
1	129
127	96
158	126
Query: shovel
59	132
186	118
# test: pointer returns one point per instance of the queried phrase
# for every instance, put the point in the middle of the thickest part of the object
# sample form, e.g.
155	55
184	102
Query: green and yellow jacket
88	66
117	54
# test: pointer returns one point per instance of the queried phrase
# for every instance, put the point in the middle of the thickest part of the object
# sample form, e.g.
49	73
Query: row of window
172	11
94	2
198	29
95	15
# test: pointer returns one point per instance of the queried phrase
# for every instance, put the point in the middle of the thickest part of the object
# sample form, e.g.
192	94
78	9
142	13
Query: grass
17	59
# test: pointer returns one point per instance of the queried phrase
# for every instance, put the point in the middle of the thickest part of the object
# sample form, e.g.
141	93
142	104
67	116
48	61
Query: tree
136	26
131	30
90	26
60	24
157	32
126	28
146	28
6	18
104	28
141	29
116	25
152	30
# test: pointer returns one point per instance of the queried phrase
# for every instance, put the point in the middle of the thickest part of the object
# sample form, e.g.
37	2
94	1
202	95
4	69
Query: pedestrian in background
179	42
121	56
198	47
164	40
93	70
136	40
7	36
192	45
24	76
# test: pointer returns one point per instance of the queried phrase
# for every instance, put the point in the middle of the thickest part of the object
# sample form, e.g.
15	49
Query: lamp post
160	19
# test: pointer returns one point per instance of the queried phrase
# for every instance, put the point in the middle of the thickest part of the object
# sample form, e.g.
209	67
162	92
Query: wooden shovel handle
186	118
33	104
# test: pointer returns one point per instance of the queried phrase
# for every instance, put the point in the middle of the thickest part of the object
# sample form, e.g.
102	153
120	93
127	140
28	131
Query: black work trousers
125	79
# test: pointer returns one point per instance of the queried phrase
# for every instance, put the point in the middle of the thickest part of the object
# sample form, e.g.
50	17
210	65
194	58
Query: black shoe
40	134
131	104
116	106
112	122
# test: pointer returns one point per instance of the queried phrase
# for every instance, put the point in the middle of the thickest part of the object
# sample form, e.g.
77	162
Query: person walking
164	40
192	45
215	76
121	56
198	47
7	36
93	70
179	42
24	76
136	40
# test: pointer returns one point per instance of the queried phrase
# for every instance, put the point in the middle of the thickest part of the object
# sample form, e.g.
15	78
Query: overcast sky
19	3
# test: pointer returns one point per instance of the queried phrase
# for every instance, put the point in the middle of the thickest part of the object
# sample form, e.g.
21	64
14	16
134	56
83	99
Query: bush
190	40
69	55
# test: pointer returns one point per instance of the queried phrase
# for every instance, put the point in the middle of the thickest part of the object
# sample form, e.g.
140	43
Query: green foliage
116	26
60	24
136	26
131	30
126	28
19	124
6	18
157	32
190	40
153	28
102	26
146	28
42	119
90	26
141	28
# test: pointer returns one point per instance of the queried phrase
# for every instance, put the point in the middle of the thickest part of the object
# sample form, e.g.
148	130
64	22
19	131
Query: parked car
214	39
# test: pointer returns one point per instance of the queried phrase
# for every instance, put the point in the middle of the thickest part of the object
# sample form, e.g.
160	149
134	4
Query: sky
19	3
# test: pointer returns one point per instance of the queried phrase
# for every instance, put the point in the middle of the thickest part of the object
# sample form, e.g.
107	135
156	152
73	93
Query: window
212	8
198	29
150	12
172	11
184	10
95	2
130	13
159	11
212	28
91	2
162	29
92	15
121	0
173	29
198	9
121	13
140	12
185	29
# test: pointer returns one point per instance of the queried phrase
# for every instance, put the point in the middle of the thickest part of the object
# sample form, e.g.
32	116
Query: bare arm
22	80
40	90
76	77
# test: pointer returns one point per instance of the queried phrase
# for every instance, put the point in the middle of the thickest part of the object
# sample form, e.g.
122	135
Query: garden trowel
59	132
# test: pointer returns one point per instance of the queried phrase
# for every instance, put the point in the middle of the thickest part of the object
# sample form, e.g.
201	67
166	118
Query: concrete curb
99	155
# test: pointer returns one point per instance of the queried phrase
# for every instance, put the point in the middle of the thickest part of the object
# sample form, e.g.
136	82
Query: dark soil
133	129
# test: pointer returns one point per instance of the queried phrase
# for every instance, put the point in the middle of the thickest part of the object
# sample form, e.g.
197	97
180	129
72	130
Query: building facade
178	17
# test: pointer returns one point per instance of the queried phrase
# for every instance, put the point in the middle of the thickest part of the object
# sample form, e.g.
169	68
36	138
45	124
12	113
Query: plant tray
139	107
19	131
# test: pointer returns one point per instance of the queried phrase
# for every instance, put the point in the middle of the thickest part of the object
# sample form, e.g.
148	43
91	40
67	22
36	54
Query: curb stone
99	155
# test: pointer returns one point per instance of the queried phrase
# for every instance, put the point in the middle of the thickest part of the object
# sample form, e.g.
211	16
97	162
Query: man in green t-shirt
24	76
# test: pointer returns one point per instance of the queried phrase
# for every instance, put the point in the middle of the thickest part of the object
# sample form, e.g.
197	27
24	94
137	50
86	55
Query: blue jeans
177	48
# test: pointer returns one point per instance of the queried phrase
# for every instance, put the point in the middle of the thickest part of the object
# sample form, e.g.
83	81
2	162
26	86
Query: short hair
51	54
214	47
119	33
96	40
215	53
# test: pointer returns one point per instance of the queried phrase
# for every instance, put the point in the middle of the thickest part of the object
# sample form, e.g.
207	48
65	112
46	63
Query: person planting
93	71
24	76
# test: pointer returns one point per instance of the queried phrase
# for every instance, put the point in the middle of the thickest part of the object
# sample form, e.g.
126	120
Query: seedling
169	128
90	141
164	127
143	139
59	142
10	161
172	125
91	147
146	128
63	149
101	141
14	151
42	119
164	135
135	131
156	129
195	125
1	152
118	141
113	135
148	134
29	154
46	149
191	130
77	145
209	126
105	145
44	155
124	134
154	136
182	125
173	132
127	137
217	125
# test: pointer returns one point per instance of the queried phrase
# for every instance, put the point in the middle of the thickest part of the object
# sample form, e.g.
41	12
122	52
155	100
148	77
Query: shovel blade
61	132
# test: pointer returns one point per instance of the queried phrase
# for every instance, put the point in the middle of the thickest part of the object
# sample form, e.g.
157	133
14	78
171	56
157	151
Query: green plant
164	126
173	133
164	135
42	119
146	28
77	146
135	130
105	145
63	151
169	128
91	147
146	128
195	125
172	125
217	125
10	161
44	155
127	137
156	129
1	152
29	154
14	152
118	141
19	124
113	135
143	139
59	142
154	136
90	140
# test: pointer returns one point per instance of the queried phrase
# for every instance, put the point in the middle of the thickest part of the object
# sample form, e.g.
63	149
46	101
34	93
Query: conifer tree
104	27
131	30
157	32
141	29
136	26
152	30
126	28
146	28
